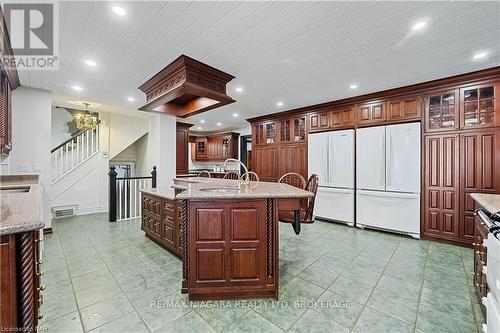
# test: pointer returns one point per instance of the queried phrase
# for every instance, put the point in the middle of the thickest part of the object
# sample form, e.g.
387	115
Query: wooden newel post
153	177
112	194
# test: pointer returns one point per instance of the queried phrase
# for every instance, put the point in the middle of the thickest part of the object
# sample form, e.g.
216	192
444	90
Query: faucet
247	177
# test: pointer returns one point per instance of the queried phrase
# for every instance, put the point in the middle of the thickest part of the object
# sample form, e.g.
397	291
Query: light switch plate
37	167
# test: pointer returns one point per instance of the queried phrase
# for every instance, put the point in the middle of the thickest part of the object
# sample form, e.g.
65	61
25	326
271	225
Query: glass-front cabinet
293	129
265	133
226	147
441	111
478	105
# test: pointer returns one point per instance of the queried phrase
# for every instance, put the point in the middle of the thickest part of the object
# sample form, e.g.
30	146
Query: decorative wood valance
186	87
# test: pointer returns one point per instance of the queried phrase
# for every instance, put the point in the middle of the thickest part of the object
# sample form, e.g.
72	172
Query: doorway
246	151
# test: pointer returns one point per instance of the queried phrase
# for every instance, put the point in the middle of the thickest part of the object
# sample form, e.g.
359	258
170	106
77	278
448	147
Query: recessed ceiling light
202	121
119	11
90	63
77	88
419	25
239	89
219	124
280	104
353	86
130	99
480	55
235	115
199	127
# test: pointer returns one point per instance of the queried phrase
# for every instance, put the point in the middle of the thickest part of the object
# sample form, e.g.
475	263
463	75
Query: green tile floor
108	277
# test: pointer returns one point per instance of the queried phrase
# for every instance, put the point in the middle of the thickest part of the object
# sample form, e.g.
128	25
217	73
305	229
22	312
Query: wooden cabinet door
264	163
371	113
8	282
281	161
479	172
319	121
404	109
343	117
441	111
480	106
201	149
182	141
296	159
441	185
213	148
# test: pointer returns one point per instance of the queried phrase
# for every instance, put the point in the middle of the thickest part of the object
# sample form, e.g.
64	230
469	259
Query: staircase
74	152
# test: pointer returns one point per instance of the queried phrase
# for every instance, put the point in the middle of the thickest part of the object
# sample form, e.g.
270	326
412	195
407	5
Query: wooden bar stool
204	174
231	175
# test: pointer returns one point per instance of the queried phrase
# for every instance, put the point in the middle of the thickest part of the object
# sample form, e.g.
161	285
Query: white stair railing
129	205
73	152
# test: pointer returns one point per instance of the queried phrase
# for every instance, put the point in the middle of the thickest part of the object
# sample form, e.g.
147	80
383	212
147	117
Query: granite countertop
162	191
490	202
20	211
194	189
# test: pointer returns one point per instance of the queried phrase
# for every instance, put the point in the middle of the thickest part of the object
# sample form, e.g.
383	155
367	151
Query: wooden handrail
72	138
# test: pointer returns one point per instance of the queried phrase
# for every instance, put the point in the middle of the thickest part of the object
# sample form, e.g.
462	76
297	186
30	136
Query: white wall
162	148
124	130
60	118
31	139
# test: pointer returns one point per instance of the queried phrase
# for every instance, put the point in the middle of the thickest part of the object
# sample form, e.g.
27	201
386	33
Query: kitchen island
230	244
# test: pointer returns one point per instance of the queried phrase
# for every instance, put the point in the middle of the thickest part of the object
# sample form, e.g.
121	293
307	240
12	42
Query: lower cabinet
20	272
265	163
270	163
480	254
162	222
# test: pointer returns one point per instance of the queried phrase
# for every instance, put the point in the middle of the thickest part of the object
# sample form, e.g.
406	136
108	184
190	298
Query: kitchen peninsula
229	235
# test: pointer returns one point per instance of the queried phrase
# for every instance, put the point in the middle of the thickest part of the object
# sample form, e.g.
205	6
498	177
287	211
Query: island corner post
231	247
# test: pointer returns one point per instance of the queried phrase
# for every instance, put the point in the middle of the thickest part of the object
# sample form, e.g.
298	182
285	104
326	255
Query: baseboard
87	211
48	230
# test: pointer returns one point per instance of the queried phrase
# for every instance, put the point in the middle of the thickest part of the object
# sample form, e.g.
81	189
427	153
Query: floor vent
63	212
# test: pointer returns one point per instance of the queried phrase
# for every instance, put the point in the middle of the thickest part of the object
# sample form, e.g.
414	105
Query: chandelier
86	120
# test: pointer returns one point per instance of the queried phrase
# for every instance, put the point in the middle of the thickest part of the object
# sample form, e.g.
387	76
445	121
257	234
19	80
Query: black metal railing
124	196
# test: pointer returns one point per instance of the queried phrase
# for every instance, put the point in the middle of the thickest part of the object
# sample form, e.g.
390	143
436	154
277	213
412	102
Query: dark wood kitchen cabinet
293	130
161	222
406	108
216	147
182	151
292	158
265	133
265	163
343	117
479	173
480	106
441	183
371	113
319	121
480	260
441	111
20	272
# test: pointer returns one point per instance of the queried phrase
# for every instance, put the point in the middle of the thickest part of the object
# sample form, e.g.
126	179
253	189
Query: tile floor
107	277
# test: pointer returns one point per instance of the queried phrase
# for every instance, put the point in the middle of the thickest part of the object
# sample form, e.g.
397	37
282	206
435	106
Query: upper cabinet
293	129
480	106
265	133
216	147
336	118
371	113
404	109
441	111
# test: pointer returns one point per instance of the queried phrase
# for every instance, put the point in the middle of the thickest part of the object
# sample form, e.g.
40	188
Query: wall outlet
37	167
23	167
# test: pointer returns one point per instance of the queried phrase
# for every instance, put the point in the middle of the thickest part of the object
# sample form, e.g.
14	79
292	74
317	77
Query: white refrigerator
388	178
331	157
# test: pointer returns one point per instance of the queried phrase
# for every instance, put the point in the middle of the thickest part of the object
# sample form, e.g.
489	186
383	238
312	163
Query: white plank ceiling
298	53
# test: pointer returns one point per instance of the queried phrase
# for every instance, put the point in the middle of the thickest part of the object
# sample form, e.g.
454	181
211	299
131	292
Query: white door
341	159
334	204
389	211
317	156
370	155
403	158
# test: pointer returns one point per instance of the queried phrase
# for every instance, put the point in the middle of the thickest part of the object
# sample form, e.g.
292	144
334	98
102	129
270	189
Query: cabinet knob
40	316
41	288
40	301
480	285
475	244
40	273
39	240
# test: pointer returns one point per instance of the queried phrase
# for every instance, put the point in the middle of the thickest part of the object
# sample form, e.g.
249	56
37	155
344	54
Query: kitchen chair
305	214
204	174
231	175
251	175
294	179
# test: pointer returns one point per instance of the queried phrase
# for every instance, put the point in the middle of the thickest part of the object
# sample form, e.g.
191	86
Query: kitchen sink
20	189
221	190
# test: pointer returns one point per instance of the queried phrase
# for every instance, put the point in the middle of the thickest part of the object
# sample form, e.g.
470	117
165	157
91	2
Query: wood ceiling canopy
186	87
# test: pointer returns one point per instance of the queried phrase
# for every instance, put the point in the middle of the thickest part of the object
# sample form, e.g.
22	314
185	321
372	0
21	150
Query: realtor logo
33	35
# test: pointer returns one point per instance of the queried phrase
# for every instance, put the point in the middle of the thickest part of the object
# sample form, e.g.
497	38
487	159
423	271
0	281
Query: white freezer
341	159
370	158
317	156
389	211
402	173
335	204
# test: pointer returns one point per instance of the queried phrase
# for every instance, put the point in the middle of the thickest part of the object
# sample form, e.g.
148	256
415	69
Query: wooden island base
232	249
